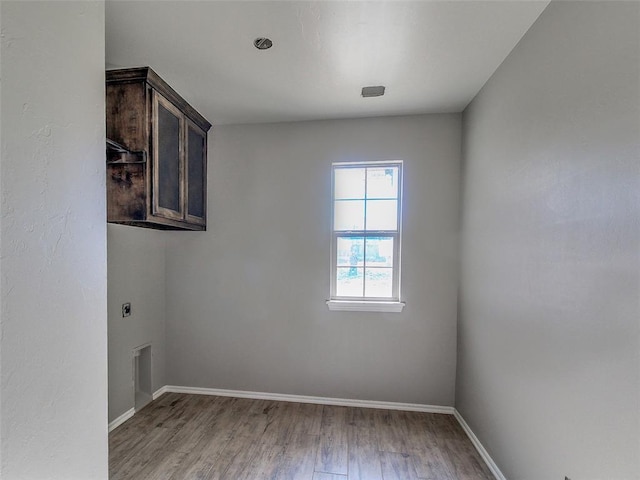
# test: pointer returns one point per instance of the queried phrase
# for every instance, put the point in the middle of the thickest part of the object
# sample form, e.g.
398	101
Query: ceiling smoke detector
377	91
262	43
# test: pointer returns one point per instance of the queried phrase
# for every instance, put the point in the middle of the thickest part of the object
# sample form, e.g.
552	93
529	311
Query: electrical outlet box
126	309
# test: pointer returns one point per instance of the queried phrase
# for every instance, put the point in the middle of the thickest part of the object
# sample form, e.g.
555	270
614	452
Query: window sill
355	306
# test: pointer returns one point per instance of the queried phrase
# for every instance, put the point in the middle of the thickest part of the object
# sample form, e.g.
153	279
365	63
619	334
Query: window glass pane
382	214
350	251
378	282
348	215
349	183
349	281
168	160
380	252
382	182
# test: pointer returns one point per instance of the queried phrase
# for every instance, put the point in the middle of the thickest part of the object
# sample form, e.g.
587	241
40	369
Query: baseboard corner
121	419
161	391
479	447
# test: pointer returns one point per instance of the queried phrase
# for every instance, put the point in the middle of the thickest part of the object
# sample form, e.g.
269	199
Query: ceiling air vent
263	43
377	91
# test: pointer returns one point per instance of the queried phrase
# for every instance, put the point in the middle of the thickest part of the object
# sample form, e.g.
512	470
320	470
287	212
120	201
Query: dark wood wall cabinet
156	154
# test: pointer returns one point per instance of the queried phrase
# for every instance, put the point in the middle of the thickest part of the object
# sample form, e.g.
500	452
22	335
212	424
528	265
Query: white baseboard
160	391
345	402
121	419
481	450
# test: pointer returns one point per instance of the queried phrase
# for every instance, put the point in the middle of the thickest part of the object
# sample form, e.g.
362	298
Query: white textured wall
549	367
137	275
246	299
53	382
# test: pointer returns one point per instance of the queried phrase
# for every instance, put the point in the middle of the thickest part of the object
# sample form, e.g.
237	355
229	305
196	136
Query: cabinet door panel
196	173
168	189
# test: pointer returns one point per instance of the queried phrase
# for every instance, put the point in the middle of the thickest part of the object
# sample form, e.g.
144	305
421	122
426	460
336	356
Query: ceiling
432	56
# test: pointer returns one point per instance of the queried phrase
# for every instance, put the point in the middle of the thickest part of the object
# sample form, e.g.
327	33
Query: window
365	248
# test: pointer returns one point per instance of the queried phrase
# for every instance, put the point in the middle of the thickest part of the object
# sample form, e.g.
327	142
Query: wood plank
364	459
244	444
362	417
162	468
170	414
299	457
397	466
264	465
328	476
431	464
421	441
124	439
137	459
445	427
308	418
333	449
416	429
392	431
281	418
464	461
213	430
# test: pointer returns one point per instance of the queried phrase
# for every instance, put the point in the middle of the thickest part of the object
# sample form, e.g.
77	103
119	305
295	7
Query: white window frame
368	304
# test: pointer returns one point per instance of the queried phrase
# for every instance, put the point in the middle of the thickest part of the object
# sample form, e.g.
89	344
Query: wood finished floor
189	437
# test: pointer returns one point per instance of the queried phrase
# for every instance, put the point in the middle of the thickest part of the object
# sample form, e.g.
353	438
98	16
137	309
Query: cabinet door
168	166
196	185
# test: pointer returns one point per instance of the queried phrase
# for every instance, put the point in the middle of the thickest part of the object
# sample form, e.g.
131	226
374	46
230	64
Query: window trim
368	304
364	306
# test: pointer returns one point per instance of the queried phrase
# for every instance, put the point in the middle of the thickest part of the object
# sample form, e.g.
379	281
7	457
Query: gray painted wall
246	299
136	274
548	367
53	255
